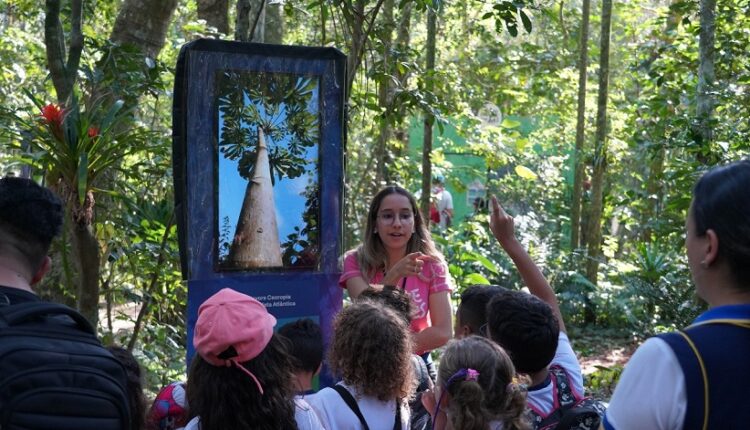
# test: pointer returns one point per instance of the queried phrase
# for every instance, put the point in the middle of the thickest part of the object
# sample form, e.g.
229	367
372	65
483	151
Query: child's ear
317	372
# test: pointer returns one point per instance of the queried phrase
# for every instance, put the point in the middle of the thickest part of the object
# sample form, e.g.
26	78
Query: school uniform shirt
436	274
541	396
652	391
303	414
335	414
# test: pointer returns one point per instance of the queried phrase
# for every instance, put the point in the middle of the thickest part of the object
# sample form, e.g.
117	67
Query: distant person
397	249
54	373
697	377
530	328
137	399
443	202
306	348
241	376
371	352
476	389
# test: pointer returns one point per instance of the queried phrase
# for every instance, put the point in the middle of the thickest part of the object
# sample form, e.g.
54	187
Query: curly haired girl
371	351
475	389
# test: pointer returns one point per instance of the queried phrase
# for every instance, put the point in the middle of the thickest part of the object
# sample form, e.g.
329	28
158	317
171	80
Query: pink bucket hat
232	319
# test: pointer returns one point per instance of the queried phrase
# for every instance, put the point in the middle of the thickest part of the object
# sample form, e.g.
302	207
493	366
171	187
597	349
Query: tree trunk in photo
600	153
216	14
144	23
704	99
256	240
274	25
429	119
575	206
381	151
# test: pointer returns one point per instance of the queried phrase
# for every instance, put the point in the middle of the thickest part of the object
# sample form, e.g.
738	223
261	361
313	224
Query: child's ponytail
466	410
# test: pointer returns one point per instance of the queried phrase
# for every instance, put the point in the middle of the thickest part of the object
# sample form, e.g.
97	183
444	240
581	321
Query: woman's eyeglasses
390	218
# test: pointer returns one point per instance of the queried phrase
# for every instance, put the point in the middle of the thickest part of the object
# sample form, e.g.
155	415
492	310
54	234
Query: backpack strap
23	312
349	400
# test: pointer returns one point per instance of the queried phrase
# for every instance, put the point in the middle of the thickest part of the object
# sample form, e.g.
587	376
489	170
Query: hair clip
471	375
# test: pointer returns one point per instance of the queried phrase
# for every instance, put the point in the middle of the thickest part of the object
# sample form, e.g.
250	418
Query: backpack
54	373
420	418
573	412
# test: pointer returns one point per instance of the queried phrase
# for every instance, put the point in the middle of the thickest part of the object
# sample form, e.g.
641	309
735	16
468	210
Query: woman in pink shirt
398	250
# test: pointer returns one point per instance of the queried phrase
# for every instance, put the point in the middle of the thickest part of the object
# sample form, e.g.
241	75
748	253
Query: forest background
631	99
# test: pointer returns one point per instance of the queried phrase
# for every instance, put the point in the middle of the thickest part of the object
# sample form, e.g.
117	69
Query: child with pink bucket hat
242	374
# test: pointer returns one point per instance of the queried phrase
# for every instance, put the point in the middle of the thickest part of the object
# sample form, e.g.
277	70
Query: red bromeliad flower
53	114
93	131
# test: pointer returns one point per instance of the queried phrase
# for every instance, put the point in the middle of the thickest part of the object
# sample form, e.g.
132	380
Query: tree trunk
256	240
575	206
86	249
600	154
63	71
274	25
381	175
429	119
216	14
251	17
359	27
403	37
704	99
144	23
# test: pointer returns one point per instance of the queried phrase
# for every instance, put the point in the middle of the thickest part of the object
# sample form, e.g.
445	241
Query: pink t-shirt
419	290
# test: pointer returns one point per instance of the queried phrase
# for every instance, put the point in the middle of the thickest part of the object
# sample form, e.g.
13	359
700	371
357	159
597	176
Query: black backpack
573	413
54	373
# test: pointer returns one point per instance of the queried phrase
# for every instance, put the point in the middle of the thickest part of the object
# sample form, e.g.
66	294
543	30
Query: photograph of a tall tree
268	176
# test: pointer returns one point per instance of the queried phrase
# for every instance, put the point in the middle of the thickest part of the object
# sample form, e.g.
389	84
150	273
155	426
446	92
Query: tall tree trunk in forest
429	119
381	152
216	14
144	23
583	56
359	23
704	100
63	71
600	152
256	240
251	17
274	25
403	38
654	181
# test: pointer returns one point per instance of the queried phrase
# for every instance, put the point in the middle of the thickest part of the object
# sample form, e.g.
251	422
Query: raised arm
502	228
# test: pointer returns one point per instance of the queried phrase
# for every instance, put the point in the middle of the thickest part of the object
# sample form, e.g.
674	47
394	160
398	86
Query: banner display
258	141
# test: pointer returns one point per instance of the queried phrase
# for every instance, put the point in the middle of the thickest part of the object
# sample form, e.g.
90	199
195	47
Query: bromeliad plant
73	146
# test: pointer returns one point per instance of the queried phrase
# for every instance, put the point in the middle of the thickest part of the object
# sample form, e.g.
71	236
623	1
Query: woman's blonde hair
371	254
371	350
492	395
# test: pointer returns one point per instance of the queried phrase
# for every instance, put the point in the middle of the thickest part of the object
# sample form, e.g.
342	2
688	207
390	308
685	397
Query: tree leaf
525	20
525	173
475	279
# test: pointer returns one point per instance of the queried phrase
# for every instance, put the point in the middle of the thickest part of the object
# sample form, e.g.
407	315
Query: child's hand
501	223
